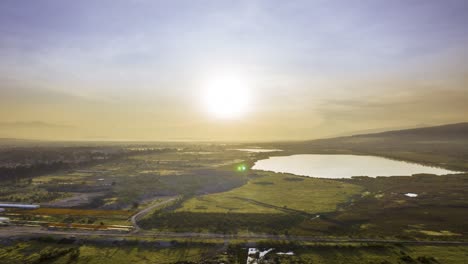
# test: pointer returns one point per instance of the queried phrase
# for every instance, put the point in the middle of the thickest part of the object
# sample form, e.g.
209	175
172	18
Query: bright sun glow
226	96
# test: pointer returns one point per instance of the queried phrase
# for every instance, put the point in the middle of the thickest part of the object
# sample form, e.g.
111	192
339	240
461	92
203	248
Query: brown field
79	212
88	226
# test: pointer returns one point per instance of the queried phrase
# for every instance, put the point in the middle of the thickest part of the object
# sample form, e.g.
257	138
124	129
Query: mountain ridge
458	130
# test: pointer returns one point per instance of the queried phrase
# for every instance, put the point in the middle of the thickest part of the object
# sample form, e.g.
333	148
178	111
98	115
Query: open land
169	203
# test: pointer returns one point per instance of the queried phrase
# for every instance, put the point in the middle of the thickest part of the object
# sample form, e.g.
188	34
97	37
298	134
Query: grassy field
112	255
368	207
275	193
379	254
383	210
269	202
40	252
65	216
63	252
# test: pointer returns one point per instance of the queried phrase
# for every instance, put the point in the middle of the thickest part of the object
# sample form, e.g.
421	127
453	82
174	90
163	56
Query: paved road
24	231
145	211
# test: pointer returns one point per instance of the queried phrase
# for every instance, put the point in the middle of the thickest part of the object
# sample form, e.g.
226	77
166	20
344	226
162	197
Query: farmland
110	192
275	193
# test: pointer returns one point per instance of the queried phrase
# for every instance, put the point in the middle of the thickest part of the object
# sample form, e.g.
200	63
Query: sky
139	70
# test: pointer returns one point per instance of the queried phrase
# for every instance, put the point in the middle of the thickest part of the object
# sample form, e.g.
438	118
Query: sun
226	96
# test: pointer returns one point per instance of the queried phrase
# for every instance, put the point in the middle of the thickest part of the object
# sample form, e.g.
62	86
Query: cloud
33	125
405	106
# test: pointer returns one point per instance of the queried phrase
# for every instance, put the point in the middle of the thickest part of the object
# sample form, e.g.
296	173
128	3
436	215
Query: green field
380	254
358	207
40	252
66	252
275	193
267	203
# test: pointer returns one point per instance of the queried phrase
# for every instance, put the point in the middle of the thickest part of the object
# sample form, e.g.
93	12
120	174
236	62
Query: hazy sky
136	69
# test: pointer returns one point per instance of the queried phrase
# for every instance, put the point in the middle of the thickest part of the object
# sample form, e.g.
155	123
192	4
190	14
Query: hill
443	132
442	146
10	142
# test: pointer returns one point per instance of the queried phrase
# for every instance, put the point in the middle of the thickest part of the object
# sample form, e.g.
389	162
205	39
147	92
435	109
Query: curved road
134	219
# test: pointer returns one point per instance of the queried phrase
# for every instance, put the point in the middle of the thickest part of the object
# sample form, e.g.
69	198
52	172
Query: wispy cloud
33	125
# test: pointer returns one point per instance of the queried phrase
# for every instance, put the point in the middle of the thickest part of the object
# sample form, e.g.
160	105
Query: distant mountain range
445	132
377	130
10	142
15	140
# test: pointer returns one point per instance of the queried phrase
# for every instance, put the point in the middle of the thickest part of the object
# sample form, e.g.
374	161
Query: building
19	206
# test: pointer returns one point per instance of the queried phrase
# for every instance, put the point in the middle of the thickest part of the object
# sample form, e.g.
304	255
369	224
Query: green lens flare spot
241	168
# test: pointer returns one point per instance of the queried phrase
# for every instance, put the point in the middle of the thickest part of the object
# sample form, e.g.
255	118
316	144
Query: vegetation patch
263	183
439	233
294	179
309	196
57	252
78	212
221	222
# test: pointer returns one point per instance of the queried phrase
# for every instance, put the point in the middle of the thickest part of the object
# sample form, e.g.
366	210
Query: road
145	211
26	231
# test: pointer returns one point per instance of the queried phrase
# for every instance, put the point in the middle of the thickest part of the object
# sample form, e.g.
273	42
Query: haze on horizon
145	70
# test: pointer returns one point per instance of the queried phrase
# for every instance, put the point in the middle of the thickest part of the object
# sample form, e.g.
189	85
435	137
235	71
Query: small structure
289	253
263	253
19	206
255	256
4	220
252	251
252	256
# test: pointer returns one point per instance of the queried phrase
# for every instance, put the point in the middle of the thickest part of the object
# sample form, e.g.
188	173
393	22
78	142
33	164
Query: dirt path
134	219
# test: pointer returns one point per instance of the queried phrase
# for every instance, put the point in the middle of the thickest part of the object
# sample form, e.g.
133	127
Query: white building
19	206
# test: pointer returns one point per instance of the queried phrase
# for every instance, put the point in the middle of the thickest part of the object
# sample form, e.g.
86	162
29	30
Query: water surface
258	150
343	166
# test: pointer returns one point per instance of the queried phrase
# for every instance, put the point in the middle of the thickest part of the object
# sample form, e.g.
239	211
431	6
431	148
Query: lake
343	166
259	150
